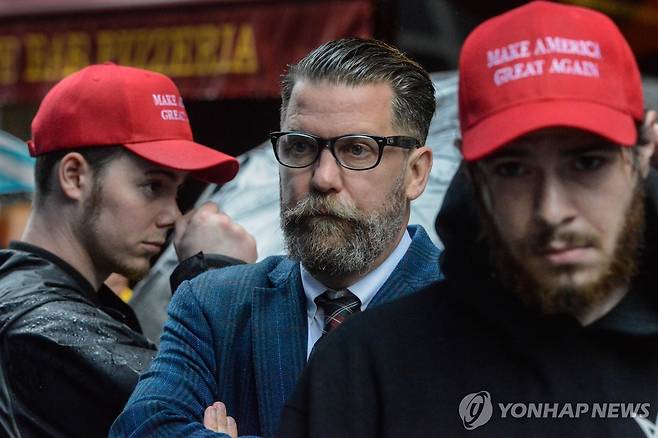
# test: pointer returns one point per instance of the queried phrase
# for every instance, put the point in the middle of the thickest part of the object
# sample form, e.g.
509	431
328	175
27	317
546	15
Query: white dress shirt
365	289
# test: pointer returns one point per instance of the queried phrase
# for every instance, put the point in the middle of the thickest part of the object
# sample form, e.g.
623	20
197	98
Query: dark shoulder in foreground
395	322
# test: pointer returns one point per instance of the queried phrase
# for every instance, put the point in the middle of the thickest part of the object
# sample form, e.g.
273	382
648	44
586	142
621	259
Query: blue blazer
239	335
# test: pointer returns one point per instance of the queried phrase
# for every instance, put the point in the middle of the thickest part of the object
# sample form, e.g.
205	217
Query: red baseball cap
546	65
141	110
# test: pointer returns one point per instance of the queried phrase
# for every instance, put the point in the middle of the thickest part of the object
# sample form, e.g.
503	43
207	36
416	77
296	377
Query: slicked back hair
357	61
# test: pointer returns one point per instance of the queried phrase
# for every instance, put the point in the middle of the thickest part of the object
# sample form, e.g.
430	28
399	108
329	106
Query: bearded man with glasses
354	118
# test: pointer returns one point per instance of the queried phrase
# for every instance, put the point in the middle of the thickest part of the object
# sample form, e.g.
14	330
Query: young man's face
354	217
566	207
128	213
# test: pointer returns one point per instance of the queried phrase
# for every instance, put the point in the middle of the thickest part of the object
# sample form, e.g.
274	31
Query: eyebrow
163	172
516	152
508	152
601	147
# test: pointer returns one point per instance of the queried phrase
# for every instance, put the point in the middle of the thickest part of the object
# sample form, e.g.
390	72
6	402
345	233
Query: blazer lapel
279	333
417	269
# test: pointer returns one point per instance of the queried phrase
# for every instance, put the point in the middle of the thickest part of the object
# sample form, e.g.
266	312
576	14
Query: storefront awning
212	49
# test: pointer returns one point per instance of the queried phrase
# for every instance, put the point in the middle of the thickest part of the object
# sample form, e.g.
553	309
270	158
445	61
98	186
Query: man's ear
419	166
74	176
648	142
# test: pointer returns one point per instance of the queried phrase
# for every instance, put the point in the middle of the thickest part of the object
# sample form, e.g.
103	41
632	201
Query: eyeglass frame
395	141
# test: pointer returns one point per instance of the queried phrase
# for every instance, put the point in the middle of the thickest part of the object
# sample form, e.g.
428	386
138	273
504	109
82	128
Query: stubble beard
93	241
332	238
572	299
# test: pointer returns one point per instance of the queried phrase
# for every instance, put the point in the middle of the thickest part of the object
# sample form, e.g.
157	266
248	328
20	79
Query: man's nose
554	204
169	214
327	173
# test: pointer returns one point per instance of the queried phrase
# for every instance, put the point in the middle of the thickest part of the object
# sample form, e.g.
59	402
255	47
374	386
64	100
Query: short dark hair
358	61
97	157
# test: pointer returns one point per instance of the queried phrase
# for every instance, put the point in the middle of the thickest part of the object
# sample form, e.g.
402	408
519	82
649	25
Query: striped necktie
337	306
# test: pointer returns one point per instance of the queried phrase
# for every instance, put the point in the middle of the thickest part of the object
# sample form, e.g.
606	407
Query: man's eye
510	169
298	148
152	187
588	163
357	149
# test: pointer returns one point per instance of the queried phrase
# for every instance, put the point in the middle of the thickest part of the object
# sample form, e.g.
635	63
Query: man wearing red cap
547	321
113	145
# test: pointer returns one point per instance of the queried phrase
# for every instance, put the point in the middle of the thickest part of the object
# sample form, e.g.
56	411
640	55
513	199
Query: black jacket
70	355
403	370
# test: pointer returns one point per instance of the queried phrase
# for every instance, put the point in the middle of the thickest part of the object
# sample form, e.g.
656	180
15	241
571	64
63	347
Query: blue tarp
16	166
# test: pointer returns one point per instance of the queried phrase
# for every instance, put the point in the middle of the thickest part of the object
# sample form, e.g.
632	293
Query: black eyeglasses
355	152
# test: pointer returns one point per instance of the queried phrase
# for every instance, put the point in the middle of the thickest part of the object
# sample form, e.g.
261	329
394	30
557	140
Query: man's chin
573	281
568	290
577	274
134	271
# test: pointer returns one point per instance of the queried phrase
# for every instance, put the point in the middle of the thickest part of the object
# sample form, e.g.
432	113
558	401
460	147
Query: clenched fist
209	230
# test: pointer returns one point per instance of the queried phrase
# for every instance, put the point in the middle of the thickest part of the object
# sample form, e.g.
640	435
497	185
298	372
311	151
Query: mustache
321	205
548	238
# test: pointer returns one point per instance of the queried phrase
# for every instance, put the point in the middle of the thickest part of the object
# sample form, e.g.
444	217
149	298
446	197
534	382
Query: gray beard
333	239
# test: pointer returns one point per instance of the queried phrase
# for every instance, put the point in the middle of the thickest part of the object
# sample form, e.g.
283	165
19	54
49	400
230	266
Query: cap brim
509	124
201	161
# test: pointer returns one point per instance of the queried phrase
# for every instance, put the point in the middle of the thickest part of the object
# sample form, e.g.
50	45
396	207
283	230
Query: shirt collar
366	288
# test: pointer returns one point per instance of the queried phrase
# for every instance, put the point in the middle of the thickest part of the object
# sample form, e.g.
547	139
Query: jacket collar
102	298
417	268
82	285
